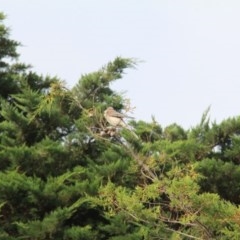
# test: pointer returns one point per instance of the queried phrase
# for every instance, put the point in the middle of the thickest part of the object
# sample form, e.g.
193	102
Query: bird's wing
119	115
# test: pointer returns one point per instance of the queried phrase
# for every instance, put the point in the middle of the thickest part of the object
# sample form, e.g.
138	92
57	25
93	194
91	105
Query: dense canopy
66	174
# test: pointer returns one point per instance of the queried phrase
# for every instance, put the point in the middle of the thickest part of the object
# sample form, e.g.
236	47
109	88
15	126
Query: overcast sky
190	50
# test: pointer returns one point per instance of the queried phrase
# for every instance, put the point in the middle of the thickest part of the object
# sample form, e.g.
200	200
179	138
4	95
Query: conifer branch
146	171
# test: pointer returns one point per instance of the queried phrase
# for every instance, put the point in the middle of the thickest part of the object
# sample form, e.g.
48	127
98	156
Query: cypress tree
66	174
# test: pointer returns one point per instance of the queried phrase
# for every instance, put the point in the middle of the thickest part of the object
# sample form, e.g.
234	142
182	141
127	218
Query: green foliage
149	132
221	177
94	88
65	174
9	67
174	132
79	233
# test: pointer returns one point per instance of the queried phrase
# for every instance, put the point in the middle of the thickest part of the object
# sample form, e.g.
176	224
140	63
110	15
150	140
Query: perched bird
115	118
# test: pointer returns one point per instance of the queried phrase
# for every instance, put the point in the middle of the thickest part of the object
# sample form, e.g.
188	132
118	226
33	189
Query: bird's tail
132	131
134	134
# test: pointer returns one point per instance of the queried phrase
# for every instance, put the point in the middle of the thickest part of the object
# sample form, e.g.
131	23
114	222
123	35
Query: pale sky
190	50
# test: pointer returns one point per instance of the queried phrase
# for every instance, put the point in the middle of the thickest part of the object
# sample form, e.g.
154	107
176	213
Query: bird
115	119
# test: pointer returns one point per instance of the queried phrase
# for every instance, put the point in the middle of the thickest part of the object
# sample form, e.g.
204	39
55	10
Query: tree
66	174
8	71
